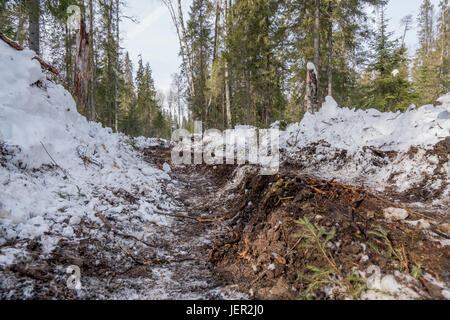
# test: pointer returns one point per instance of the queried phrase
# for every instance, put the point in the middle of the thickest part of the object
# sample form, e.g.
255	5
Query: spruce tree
389	88
425	70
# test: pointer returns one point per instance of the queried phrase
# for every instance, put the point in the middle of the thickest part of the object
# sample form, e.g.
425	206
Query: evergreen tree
425	71
129	117
389	88
200	47
442	48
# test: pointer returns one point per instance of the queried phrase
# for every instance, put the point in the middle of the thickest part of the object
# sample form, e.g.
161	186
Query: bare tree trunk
249	99
34	24
330	50
182	41
20	23
68	60
81	76
317	36
312	92
269	92
92	110
227	72
116	82
180	123
216	31
188	52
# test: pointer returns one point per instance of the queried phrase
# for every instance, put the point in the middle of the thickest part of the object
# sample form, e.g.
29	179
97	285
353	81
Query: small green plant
64	196
132	143
392	252
417	271
359	284
317	237
283	125
318	278
80	194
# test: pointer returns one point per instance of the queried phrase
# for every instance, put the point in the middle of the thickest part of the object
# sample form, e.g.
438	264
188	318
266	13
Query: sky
154	37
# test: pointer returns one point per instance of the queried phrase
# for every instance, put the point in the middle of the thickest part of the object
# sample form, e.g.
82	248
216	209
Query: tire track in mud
170	262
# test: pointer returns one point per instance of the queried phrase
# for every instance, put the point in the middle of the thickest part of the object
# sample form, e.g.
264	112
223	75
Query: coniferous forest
209	150
243	62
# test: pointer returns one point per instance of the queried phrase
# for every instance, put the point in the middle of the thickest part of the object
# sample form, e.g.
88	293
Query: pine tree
425	70
442	48
129	118
389	89
200	42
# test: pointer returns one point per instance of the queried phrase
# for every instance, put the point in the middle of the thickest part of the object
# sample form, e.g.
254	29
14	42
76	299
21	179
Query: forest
244	62
325	175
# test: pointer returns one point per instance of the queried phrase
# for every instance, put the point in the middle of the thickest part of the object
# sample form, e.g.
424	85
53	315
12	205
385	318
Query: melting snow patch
395	214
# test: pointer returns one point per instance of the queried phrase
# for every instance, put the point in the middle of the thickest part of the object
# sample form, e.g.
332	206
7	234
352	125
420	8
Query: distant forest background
243	61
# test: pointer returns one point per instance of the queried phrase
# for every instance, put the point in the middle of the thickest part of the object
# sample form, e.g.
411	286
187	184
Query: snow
395	214
312	66
40	127
353	129
166	167
387	287
372	148
48	190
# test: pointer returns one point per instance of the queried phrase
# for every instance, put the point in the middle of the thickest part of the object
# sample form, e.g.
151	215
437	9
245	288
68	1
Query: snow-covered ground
39	126
59	172
351	129
376	149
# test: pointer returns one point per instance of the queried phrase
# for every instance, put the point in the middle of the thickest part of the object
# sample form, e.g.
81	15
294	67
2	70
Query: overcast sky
155	36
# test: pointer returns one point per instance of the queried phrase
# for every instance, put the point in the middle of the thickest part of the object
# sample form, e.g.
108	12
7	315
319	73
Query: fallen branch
82	155
11	43
66	174
18	47
393	204
46	66
118	233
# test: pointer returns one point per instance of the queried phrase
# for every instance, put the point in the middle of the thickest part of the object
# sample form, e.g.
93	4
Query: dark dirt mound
282	250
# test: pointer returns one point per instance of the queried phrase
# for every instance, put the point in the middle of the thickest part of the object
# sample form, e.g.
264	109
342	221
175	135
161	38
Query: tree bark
330	50
116	82
183	49
216	32
227	72
317	36
34	24
312	92
20	23
81	76
188	53
92	110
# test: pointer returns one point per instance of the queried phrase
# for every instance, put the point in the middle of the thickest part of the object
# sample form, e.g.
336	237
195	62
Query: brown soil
269	260
246	235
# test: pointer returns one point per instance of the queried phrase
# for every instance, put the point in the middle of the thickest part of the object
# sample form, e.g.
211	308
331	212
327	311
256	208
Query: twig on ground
66	174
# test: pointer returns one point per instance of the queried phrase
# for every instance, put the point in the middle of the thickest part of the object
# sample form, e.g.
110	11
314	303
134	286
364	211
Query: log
44	65
11	43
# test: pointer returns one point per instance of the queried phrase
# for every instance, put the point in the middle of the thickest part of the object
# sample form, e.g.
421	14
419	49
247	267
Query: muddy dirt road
233	234
171	263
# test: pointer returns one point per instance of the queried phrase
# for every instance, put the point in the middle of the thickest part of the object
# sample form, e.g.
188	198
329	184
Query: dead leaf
244	254
280	259
149	229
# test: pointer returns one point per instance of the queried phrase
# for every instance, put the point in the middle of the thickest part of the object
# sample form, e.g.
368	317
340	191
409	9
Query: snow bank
376	149
351	130
39	125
